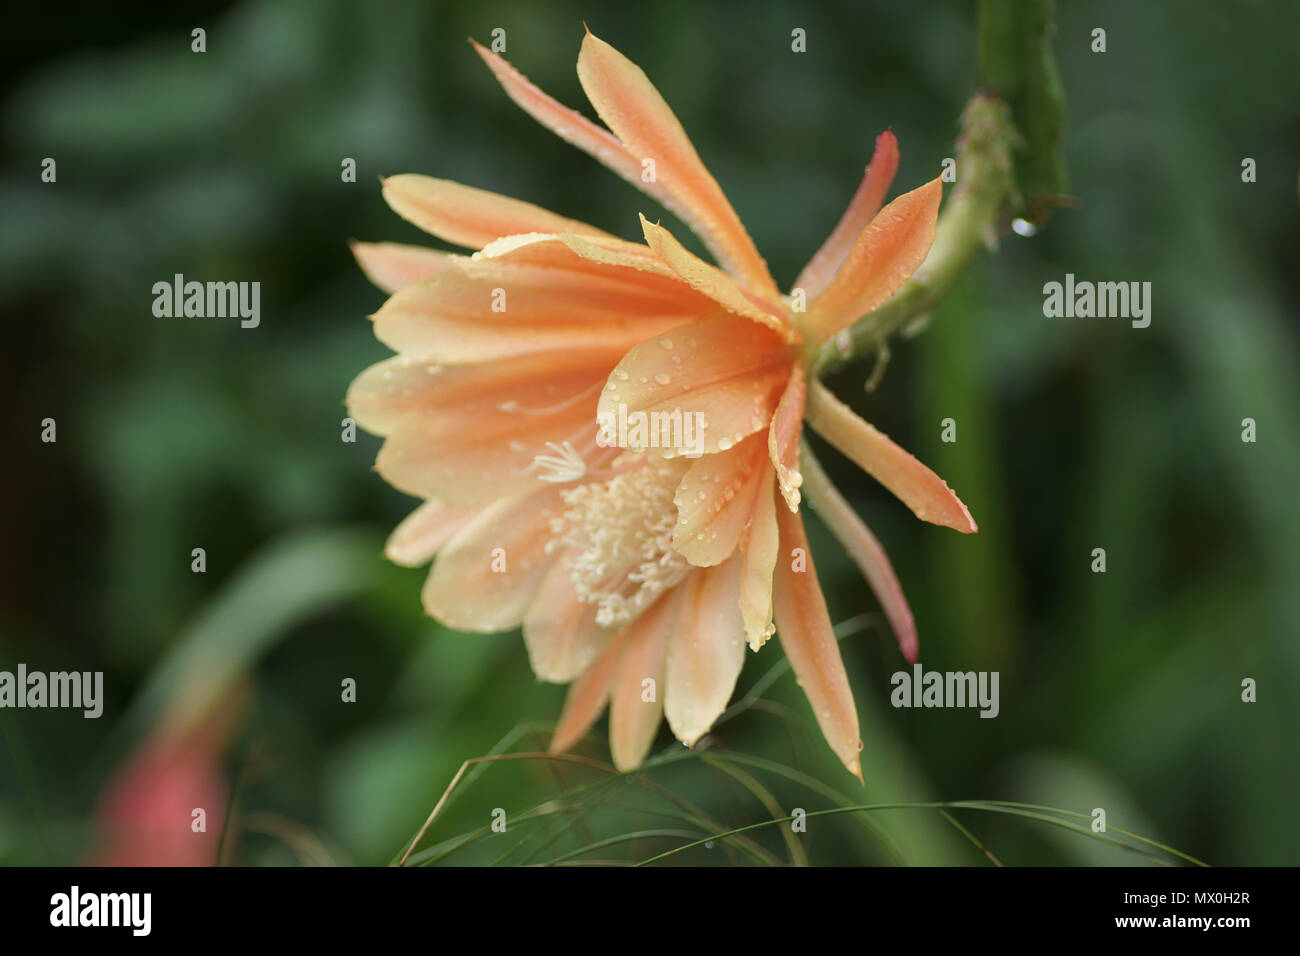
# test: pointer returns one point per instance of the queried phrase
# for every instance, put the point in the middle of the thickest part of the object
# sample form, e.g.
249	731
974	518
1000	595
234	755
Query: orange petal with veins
804	627
783	436
489	308
468	461
725	372
883	257
821	268
485	577
633	720
586	698
759	550
715	500
394	265
560	631
570	125
706	650
631	106
914	484
521	387
424	531
838	515
471	217
713	282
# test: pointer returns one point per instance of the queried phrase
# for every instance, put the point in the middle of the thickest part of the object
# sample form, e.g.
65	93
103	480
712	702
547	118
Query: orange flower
638	568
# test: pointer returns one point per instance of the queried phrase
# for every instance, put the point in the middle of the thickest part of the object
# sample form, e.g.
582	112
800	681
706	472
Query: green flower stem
968	223
1008	163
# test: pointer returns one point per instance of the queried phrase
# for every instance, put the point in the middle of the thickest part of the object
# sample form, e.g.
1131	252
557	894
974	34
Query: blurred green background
1119	690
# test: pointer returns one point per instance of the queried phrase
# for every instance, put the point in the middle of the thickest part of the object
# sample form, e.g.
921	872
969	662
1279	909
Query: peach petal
633	720
883	257
570	125
713	282
715	500
471	217
635	111
592	255
520	386
914	484
394	265
486	309
706	650
804	627
759	550
617	252
560	631
586	698
783	436
485	577
424	531
729	374
821	268
577	130
850	530
468	461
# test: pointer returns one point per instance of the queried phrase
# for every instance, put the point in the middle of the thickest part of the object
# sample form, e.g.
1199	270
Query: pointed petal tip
956	522
624	766
567	733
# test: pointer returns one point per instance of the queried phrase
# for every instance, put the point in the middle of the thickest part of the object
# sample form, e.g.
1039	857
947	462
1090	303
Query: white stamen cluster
621	532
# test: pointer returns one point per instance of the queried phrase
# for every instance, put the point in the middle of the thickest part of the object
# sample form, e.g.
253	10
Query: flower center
621	535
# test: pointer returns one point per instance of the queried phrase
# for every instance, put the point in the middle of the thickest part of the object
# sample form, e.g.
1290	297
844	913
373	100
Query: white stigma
565	465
